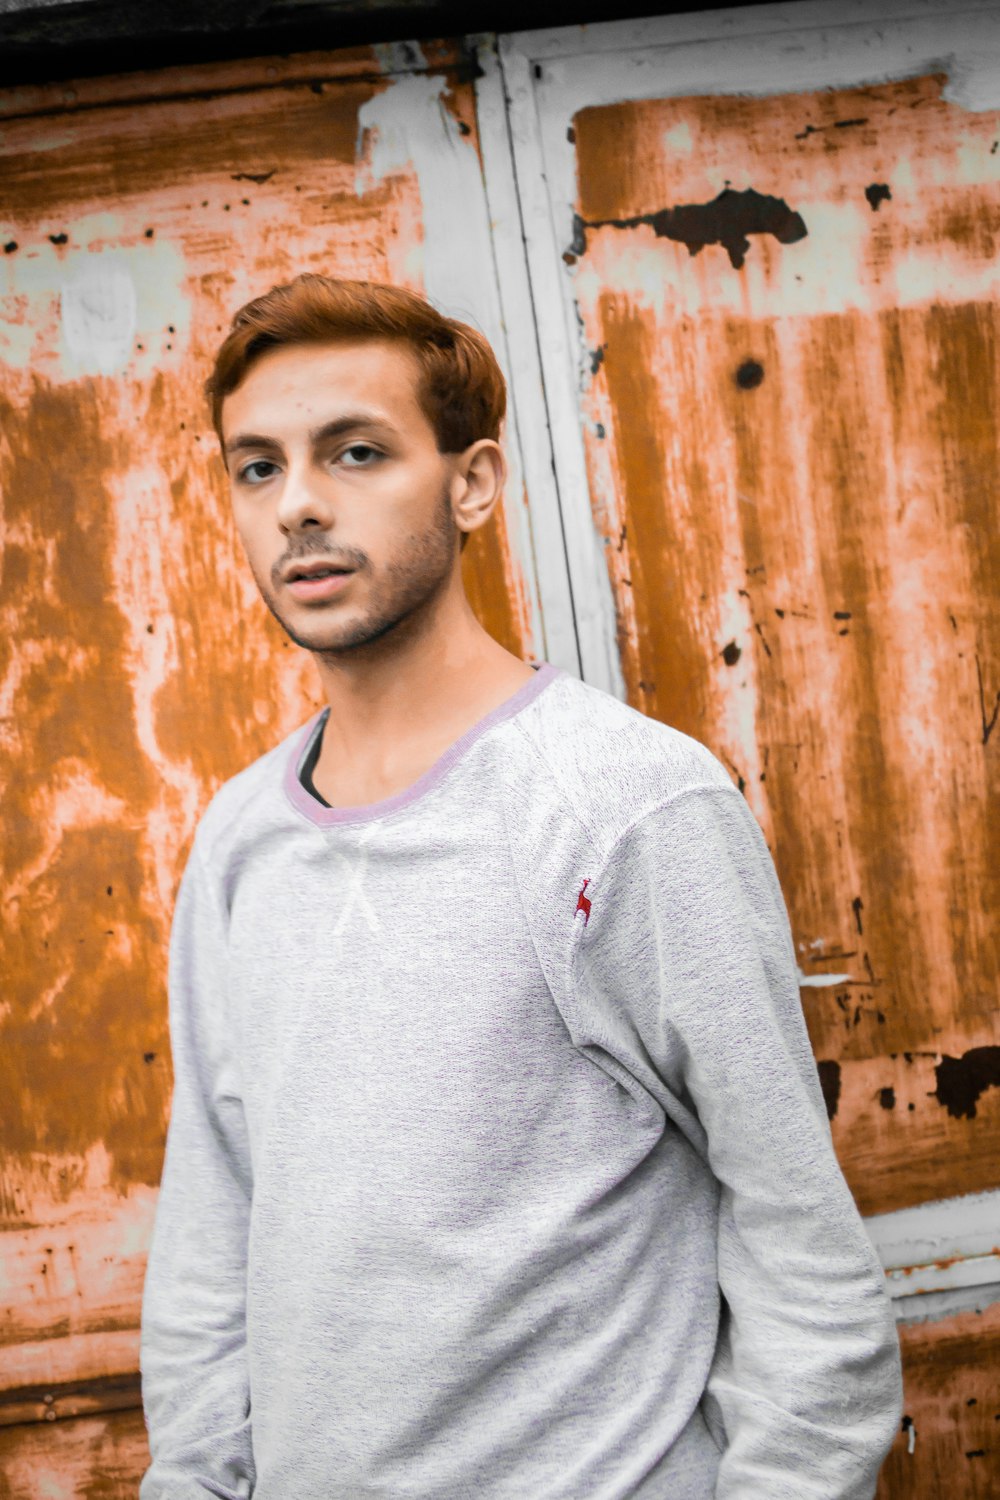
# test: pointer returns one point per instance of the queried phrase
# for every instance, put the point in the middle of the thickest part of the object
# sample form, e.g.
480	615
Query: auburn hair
461	390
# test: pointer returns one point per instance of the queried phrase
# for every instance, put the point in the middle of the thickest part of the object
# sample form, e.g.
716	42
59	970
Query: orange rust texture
794	464
139	668
953	1403
85	1458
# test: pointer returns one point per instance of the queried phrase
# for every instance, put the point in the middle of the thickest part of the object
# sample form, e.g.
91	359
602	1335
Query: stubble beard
399	601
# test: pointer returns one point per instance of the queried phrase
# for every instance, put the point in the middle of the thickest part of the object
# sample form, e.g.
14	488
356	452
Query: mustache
309	548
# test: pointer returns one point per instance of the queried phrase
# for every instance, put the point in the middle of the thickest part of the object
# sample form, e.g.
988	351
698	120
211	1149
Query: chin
336	639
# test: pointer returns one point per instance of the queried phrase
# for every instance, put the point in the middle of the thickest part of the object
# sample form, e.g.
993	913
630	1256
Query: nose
303	505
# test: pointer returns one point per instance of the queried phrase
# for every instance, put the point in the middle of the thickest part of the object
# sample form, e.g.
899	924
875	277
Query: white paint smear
409	128
98	307
820	981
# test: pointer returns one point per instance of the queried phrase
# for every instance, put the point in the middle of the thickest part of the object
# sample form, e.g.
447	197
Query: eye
257	472
360	456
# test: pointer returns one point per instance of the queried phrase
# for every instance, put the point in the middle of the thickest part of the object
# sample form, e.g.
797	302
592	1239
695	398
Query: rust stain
239	75
664	557
57	174
83	1458
83	945
947	1443
792	463
918	1146
493	583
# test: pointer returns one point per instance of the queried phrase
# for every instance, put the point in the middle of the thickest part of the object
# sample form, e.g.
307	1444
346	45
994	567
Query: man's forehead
311	386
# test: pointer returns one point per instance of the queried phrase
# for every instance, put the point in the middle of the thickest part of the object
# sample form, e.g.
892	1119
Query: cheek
252	530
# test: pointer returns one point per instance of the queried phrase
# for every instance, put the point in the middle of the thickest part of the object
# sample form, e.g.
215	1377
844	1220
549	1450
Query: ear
481	472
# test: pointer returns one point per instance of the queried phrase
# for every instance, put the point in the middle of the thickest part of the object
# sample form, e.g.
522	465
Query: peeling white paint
678	140
407	127
780	50
84	308
98	311
821	981
146	536
526	388
947	1228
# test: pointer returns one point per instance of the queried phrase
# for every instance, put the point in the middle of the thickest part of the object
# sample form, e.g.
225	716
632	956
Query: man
498	1165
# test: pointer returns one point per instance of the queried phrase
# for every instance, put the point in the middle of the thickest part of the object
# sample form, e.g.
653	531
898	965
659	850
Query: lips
315	582
315	569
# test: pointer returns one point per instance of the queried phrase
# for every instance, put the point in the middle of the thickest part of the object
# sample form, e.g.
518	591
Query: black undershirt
309	766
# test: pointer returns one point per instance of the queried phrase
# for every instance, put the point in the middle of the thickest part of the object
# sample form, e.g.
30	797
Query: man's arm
194	1376
688	941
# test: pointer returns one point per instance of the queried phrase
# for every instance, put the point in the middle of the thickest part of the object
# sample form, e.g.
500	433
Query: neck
404	698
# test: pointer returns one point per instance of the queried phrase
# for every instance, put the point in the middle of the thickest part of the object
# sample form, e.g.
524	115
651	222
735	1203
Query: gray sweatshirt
498	1166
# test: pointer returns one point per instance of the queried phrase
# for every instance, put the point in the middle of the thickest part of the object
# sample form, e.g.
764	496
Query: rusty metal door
764	252
752	346
139	668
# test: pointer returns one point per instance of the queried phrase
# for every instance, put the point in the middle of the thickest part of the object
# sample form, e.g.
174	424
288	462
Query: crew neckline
329	817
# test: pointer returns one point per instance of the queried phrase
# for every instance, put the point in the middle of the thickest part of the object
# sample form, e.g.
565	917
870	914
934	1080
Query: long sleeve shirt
498	1165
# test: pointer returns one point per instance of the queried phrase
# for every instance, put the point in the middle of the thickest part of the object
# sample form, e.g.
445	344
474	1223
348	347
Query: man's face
333	465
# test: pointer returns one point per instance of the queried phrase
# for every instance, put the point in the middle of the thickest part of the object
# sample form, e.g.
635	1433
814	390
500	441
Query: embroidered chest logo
583	903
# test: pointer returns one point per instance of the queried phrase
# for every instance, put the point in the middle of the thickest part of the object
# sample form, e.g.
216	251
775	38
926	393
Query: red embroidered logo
583	903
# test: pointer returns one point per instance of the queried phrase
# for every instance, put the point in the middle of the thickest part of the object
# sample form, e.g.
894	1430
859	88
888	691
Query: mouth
314	570
316	580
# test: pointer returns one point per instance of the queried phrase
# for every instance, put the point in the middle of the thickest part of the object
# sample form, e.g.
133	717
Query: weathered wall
139	668
767	245
787	310
793	436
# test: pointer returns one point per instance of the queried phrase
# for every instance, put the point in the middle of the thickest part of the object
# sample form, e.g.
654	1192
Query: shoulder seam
557	780
245	800
648	812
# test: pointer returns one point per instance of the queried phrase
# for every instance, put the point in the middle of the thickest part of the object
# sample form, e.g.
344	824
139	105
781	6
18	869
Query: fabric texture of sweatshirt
498	1166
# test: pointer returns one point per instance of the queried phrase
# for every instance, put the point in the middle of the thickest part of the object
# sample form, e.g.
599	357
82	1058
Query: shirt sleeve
688	952
193	1350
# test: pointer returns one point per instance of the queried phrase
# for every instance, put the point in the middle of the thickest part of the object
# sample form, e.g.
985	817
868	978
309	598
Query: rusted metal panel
948	1444
791	422
139	668
88	1458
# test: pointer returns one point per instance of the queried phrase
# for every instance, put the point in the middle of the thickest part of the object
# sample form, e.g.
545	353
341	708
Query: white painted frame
938	1249
526	386
765	49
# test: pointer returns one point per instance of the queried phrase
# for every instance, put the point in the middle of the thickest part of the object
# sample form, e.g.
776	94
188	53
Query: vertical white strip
593	601
527	391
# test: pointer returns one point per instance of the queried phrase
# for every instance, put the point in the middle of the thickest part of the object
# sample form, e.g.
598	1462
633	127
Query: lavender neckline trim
331	817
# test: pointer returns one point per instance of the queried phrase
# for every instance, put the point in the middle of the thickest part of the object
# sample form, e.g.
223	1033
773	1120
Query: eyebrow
350	422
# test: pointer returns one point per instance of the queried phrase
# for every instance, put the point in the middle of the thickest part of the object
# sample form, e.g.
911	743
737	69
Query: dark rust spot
876	193
833	125
961	1080
829	1080
749	375
727	220
731	654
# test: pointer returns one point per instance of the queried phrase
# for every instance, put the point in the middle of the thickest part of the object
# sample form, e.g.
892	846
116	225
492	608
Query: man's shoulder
611	763
250	795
